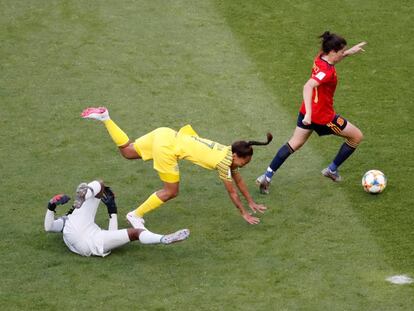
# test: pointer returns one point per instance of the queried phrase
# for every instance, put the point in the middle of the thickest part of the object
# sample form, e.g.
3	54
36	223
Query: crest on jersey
320	75
340	121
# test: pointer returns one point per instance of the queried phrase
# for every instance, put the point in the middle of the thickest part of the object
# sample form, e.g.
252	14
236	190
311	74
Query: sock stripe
351	144
290	148
283	153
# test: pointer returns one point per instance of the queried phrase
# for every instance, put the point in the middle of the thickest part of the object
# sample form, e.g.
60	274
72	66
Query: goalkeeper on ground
83	236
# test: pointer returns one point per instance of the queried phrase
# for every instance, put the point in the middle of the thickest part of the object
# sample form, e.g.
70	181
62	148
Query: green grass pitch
234	70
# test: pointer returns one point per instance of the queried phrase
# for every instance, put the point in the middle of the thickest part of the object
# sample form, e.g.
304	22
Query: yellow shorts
161	146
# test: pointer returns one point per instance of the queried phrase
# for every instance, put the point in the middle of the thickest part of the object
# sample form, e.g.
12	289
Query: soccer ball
374	181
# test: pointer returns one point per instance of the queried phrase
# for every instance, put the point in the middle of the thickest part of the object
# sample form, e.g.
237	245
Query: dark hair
244	148
331	41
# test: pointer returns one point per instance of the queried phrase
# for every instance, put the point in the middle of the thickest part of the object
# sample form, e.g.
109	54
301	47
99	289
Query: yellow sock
118	136
151	203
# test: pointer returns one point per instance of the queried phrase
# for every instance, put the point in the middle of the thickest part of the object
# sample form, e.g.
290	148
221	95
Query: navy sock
284	152
333	167
344	152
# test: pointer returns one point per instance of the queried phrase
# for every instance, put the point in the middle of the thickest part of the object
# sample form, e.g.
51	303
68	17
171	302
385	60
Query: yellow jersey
163	145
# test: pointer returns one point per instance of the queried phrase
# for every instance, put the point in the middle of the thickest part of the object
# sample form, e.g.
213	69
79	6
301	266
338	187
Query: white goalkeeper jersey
80	233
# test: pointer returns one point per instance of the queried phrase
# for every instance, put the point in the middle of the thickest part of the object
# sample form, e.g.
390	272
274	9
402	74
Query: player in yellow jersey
166	146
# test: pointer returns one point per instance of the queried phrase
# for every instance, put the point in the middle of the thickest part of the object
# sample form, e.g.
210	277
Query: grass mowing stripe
371	88
335	198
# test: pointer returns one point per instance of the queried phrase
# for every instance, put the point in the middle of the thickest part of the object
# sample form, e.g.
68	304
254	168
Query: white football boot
178	236
135	221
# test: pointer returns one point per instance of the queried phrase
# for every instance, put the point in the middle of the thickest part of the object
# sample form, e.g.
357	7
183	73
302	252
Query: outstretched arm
355	49
51	224
236	200
245	192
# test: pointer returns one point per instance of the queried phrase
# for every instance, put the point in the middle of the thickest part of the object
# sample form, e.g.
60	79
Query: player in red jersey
317	112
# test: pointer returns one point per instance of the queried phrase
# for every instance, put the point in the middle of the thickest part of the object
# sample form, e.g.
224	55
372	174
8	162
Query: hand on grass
251	219
257	207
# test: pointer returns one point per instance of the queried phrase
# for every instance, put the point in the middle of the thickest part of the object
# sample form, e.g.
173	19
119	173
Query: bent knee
171	194
358	137
126	155
129	152
355	139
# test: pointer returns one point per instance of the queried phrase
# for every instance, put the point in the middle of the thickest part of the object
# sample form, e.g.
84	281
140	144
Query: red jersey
322	95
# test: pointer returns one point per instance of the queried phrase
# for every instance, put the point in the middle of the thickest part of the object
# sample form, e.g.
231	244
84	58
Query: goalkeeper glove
58	199
108	198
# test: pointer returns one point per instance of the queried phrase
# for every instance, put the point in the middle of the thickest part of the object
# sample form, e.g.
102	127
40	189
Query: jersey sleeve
224	174
321	75
224	167
54	225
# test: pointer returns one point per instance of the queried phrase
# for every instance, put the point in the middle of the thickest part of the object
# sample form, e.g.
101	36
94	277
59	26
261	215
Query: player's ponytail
331	41
244	148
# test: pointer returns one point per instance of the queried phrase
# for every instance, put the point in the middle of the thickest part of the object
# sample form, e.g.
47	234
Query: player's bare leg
155	200
298	139
353	136
128	151
148	237
118	238
119	137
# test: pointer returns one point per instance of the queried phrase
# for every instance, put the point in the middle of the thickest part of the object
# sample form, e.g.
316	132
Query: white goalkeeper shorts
97	242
